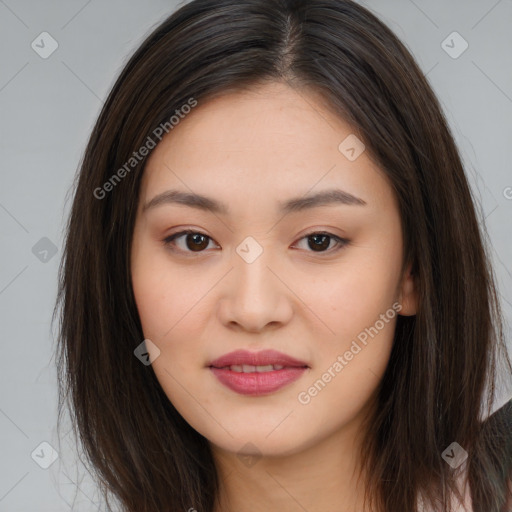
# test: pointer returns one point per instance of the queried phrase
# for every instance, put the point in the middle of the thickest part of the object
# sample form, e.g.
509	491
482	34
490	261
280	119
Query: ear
408	294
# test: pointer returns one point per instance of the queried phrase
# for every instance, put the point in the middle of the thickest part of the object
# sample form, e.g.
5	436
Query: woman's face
258	276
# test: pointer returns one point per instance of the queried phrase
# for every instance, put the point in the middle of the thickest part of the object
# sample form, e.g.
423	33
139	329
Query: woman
275	293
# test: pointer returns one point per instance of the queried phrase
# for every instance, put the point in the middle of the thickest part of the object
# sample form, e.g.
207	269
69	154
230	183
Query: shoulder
498	426
504	417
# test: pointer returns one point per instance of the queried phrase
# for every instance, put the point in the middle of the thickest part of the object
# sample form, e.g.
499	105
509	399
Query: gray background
48	107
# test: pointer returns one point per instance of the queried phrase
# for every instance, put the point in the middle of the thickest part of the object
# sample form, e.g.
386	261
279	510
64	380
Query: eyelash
342	242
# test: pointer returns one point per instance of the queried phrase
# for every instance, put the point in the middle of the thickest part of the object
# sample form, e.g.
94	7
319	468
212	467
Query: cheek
348	371
166	297
352	297
169	305
355	303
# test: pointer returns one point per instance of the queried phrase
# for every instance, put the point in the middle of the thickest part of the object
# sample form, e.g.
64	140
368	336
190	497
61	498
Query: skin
251	150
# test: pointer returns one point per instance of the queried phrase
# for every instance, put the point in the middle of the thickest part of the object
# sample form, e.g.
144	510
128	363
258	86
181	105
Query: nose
255	296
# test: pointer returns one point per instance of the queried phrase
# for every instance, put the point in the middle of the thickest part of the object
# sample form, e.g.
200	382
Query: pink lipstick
257	373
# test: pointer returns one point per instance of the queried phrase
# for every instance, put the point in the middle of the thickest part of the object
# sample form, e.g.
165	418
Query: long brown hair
440	380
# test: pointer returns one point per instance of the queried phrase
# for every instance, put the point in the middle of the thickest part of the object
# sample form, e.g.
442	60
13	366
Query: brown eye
320	242
194	241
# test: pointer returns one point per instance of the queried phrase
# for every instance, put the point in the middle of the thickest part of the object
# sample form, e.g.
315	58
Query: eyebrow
324	198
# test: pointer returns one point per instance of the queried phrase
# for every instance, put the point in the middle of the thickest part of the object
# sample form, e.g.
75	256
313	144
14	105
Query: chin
260	439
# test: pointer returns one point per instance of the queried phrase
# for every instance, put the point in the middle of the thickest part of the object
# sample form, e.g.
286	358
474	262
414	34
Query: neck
323	476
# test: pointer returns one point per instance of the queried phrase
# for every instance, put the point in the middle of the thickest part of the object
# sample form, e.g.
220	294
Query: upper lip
262	358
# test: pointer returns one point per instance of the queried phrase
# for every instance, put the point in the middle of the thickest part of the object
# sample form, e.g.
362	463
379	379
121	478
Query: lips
257	373
263	358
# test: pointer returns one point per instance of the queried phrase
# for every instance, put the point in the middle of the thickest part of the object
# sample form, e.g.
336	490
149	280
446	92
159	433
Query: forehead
268	141
271	119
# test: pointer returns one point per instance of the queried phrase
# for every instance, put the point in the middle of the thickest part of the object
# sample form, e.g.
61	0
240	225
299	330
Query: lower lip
257	383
